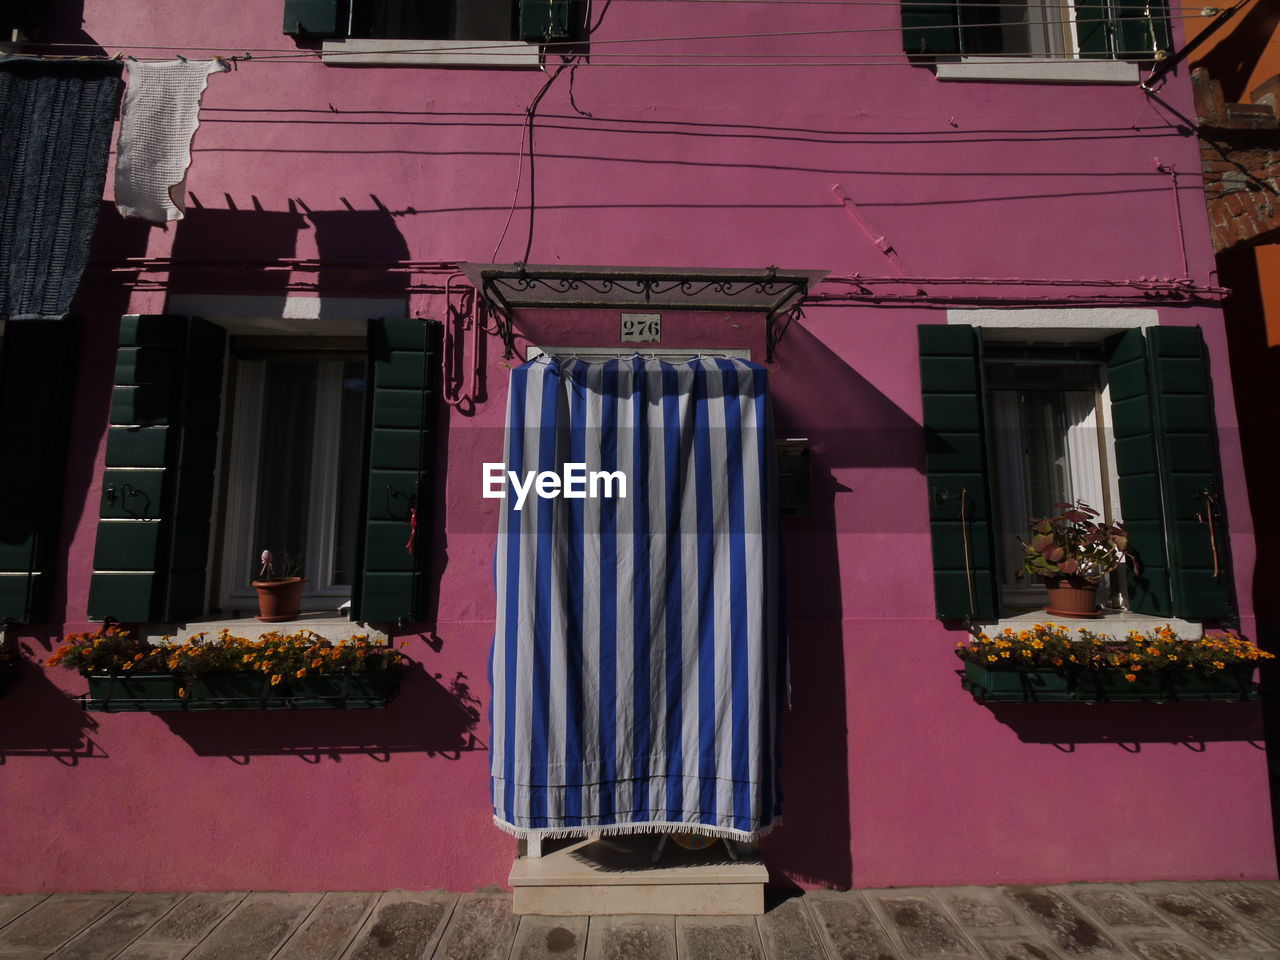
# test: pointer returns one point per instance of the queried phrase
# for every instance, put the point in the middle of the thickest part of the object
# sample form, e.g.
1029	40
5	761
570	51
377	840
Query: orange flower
1131	677
275	679
301	673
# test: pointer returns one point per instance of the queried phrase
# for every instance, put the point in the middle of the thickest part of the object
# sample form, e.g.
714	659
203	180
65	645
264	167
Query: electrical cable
502	48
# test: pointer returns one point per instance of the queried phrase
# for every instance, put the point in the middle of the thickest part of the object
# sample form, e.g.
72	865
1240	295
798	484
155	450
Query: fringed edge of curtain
648	826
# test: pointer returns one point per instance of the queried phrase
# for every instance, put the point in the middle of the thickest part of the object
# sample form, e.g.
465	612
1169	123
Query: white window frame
1048	66
241	499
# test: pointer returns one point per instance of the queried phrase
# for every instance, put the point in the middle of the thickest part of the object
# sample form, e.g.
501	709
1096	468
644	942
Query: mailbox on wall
793	477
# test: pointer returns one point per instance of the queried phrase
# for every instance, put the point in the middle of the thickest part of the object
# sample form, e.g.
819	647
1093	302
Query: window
1035	39
1051	444
329	451
435	32
1156	403
293	473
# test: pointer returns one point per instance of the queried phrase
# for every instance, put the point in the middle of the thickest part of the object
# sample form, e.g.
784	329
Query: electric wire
503	48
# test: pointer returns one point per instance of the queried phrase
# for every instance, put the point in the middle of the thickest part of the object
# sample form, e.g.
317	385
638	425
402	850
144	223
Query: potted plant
279	598
122	673
1072	552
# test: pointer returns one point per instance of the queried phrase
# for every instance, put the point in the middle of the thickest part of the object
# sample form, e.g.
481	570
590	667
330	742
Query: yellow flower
275	679
301	673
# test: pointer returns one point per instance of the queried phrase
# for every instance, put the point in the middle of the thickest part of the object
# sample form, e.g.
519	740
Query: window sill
1114	622
1040	71
429	53
322	622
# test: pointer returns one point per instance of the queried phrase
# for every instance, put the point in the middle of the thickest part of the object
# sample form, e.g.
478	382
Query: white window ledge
429	53
1115	622
1040	71
324	623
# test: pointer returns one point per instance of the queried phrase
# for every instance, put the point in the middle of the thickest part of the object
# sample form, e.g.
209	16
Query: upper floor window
1089	29
433	32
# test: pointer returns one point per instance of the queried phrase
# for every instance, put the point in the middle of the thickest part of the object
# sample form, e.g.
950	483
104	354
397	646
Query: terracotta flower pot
279	600
1071	597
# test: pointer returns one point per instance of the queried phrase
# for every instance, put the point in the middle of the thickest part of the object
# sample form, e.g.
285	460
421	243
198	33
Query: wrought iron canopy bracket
510	287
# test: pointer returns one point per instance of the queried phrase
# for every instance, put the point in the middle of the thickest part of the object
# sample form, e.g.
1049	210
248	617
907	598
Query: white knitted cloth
161	113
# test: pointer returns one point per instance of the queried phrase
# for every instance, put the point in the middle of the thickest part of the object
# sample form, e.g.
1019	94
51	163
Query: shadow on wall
428	717
356	247
225	250
64	730
1130	725
850	424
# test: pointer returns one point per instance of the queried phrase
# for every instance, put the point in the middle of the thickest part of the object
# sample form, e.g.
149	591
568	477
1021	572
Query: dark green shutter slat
1188	449
313	18
35	407
403	384
930	29
1093	28
958	474
1138	36
150	561
1138	473
543	20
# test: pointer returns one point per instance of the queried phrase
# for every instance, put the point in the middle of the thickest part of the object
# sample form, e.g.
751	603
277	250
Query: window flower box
302	671
131	692
1046	663
1018	686
354	691
235	691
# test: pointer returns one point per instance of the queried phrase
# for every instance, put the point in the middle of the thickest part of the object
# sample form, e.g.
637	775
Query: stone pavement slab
192	919
119	928
483	928
403	926
1068	928
257	927
330	928
16	904
637	937
1193	913
49	924
849	929
919	924
1219	920
788	932
550	938
718	938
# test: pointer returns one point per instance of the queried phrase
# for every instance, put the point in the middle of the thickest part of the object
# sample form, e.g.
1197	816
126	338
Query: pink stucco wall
894	776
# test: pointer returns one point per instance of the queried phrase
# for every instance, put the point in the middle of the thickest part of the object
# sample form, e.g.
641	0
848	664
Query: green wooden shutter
403	391
314	18
157	490
1139	34
1190	475
543	20
1093	29
1122	28
930	28
1138	473
965	578
36	379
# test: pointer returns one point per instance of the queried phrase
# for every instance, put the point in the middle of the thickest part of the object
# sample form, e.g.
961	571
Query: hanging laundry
161	114
638	662
55	137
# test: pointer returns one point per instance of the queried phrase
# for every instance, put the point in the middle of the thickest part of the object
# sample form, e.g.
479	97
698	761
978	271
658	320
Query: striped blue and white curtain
638	665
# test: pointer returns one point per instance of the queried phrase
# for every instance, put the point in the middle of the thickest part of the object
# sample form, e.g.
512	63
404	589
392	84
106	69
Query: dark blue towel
56	119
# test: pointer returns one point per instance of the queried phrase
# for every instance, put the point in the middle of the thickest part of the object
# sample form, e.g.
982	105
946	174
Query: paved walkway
1147	921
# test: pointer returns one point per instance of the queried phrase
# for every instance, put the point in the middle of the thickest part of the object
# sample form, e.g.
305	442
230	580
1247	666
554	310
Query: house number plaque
642	327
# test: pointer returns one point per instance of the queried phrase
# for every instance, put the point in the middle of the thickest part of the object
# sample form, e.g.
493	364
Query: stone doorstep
607	877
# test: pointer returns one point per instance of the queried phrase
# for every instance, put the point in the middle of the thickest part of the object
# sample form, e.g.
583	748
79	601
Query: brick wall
1240	153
